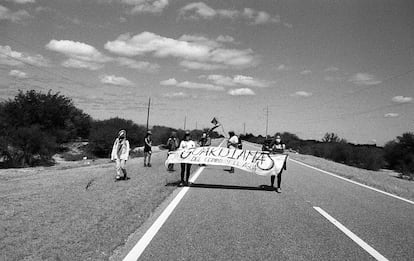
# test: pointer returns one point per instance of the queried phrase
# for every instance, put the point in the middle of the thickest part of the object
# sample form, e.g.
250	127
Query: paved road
227	216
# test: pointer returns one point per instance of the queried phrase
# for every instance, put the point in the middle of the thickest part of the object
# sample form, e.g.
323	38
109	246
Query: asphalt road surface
226	216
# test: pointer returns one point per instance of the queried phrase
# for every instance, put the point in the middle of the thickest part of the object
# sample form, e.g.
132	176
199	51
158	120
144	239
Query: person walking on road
232	143
277	148
120	154
186	143
147	149
172	145
204	140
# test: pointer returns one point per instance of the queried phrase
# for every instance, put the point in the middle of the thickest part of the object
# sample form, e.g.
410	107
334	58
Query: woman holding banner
278	148
186	143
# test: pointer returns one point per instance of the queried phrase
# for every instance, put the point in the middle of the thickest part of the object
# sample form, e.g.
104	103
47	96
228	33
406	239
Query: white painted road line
139	248
354	182
351	235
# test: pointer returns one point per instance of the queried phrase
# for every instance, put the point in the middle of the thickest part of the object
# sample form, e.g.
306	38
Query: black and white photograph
206	130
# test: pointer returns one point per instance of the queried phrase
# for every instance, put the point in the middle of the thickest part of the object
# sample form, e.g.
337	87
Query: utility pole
185	121
149	105
267	118
244	128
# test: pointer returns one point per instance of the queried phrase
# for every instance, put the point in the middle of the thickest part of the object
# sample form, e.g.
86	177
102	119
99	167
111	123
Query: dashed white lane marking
374	253
354	182
139	248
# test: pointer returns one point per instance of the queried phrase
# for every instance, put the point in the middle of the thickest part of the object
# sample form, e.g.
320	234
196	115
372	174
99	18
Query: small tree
399	154
103	133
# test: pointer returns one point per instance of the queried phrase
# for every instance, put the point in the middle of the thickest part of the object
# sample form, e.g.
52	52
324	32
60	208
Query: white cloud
139	65
241	92
14	58
225	39
402	99
306	72
282	67
80	55
146	6
201	66
302	94
16	17
22	1
364	79
237	80
195	85
176	95
249	81
114	80
169	82
201	10
18	74
191	85
391	115
197	52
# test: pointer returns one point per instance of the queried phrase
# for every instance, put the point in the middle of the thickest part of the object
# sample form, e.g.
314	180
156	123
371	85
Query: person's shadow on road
219	186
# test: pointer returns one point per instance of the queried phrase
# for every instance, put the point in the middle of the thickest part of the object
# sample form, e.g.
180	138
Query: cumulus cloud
138	65
282	67
197	52
114	80
169	82
200	10
14	58
391	115
80	55
402	99
192	85
364	79
176	95
225	39
301	94
241	92
15	17
18	74
22	1
146	6
237	80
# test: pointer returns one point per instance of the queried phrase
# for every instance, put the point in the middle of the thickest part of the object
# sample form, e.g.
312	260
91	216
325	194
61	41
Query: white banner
258	162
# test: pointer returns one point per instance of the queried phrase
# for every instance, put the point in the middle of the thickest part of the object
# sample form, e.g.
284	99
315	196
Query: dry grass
384	180
77	211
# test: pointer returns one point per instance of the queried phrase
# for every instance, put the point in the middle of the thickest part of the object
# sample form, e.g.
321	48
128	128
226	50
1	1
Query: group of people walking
121	148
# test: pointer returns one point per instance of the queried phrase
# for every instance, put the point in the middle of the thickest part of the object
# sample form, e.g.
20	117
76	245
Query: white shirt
233	141
187	144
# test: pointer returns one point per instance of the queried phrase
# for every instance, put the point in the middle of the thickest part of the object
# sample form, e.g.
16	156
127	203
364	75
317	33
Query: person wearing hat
147	149
172	145
120	154
186	143
278	148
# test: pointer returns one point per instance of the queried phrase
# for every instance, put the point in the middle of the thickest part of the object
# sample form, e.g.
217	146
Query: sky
306	67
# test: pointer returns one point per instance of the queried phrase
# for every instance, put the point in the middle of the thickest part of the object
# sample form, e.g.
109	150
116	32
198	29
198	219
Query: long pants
279	179
120	167
185	167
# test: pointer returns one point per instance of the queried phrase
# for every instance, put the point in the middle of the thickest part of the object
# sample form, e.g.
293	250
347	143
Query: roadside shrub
103	134
399	154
